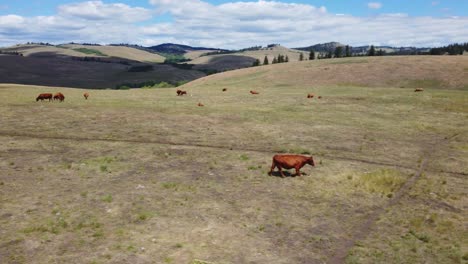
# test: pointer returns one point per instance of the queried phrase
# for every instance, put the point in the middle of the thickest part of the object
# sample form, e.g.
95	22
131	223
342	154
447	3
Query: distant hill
80	50
248	55
177	48
361	50
323	47
87	72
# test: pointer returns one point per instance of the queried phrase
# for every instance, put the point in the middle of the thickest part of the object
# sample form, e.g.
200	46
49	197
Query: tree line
452	49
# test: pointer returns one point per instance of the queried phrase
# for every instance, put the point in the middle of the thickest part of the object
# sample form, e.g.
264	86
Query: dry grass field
145	176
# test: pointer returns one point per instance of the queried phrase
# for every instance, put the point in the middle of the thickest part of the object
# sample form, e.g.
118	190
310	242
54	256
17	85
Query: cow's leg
281	171
298	173
273	165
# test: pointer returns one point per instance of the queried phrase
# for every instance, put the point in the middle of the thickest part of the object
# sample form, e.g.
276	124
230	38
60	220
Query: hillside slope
57	71
396	71
77	50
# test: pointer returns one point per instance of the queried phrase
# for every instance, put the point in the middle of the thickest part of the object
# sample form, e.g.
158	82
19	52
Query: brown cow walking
200	104
44	96
224	89
181	92
253	92
289	161
419	90
59	96
86	95
310	95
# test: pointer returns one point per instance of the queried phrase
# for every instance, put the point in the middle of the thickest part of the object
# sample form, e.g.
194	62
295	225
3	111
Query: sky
235	24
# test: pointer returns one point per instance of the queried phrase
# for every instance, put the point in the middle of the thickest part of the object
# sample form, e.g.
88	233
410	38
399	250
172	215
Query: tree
380	52
329	55
256	63
347	51
265	61
274	61
371	51
338	52
312	55
286	59
301	57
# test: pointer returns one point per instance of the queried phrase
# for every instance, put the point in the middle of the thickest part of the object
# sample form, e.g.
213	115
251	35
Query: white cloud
97	10
228	25
374	5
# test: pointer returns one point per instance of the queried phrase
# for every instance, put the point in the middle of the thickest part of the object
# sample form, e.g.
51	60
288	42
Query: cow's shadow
286	173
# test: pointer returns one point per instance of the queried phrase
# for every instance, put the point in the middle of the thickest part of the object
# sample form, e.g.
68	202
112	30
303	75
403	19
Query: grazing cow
86	95
224	89
253	92
200	104
289	161
310	95
180	92
44	96
59	96
418	89
319	97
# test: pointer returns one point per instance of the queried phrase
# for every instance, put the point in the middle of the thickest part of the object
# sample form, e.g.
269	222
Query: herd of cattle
58	96
283	161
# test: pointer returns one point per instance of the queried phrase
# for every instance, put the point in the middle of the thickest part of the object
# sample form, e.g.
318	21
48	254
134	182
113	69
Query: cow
289	161
86	95
200	104
419	90
224	89
59	96
319	97
44	96
310	95
180	92
253	92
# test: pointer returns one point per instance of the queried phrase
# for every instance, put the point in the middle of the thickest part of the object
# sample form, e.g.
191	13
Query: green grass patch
169	185
107	198
244	157
142	216
90	51
384	181
426	83
54	226
349	61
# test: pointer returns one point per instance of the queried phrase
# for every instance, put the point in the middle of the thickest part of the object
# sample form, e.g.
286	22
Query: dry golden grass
395	71
144	176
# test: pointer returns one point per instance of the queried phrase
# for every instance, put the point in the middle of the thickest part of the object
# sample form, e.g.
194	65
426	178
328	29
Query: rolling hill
391	71
178	48
78	50
70	72
362	50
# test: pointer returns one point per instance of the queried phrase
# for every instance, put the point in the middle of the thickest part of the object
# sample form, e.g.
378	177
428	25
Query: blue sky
236	24
353	7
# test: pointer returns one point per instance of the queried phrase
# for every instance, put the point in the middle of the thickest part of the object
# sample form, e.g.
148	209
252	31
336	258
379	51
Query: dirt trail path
361	232
195	145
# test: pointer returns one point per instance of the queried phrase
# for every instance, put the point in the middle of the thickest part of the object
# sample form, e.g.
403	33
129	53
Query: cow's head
310	161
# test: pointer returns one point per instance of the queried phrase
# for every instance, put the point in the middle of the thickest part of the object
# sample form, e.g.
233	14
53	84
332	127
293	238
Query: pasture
146	176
